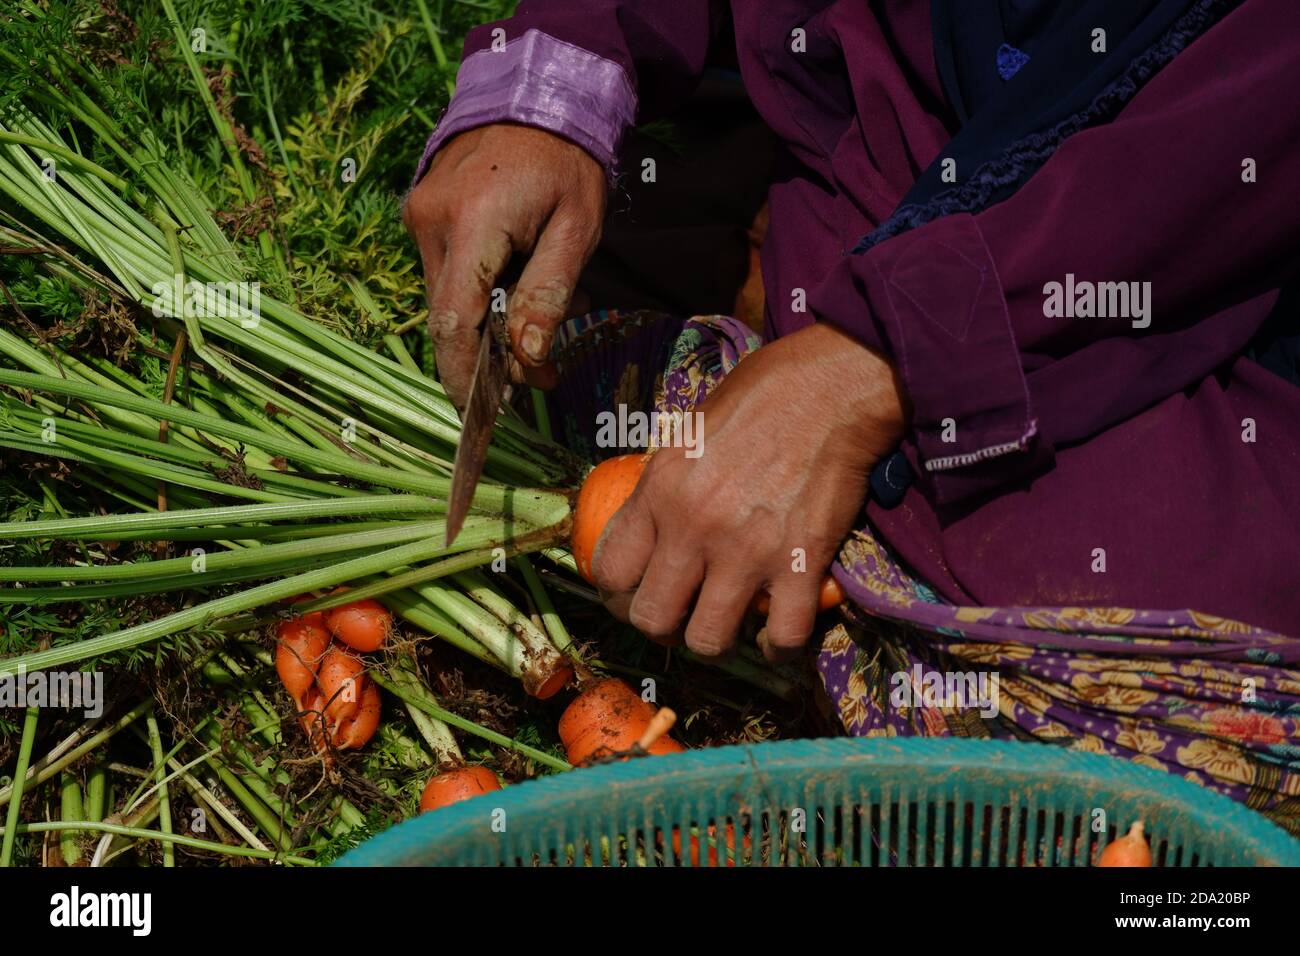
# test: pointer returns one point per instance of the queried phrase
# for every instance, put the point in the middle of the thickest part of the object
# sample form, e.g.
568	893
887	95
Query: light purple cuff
540	81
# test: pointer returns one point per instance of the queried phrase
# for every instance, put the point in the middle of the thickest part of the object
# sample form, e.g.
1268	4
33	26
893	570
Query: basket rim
1026	761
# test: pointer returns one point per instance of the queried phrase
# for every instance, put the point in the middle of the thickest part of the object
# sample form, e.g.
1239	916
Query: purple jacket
1051	446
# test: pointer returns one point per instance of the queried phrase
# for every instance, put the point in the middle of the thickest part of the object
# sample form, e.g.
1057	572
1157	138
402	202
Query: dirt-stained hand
491	193
788	439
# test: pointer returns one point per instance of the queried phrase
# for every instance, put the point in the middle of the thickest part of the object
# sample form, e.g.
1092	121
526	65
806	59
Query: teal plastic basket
839	802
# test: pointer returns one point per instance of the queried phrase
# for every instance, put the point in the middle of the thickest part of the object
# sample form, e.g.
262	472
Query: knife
487	390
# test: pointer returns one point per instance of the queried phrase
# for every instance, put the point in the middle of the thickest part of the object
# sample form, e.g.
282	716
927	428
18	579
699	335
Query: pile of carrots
317	660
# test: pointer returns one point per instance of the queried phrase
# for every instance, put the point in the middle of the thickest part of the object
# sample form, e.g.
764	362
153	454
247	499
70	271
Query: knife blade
486	392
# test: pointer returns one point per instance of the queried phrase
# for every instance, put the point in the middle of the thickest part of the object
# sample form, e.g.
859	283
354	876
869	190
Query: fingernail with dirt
534	344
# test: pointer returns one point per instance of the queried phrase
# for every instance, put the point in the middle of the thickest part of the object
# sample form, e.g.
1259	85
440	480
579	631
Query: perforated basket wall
840	802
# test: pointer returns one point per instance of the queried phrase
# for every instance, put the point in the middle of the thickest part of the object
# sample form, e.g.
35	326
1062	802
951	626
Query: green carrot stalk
561	559
436	734
413	607
46	768
70	808
181	771
209	611
96	793
220	811
111	846
261	779
164	795
541	414
422	699
536	644
478	623
751	671
240	558
67	155
349	816
109	527
400	352
20	778
139	833
266	821
527	505
471	558
80	593
256	707
555	628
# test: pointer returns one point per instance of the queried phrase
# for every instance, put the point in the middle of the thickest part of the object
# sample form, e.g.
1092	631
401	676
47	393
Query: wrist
863	383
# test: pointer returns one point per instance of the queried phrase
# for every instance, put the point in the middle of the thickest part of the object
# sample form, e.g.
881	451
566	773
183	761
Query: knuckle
610	577
651	619
471	210
450	331
618	577
443	321
423	209
710	632
548	297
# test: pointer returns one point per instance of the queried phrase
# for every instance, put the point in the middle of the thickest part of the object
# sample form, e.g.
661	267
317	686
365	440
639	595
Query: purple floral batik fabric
1213	700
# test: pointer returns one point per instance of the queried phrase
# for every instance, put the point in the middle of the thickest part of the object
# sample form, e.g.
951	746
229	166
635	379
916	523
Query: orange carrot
608	717
362	625
607	699
1129	850
353	732
341	680
453	786
831	595
718	849
558	680
300	645
311	708
604	491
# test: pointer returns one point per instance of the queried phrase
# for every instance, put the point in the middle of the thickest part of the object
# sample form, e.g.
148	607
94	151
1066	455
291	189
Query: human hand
490	193
790	438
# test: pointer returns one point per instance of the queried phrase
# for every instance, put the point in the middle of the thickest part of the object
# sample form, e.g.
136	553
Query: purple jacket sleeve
1161	196
585	71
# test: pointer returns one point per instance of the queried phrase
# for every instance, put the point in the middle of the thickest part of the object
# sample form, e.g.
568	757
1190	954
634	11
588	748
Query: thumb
541	299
